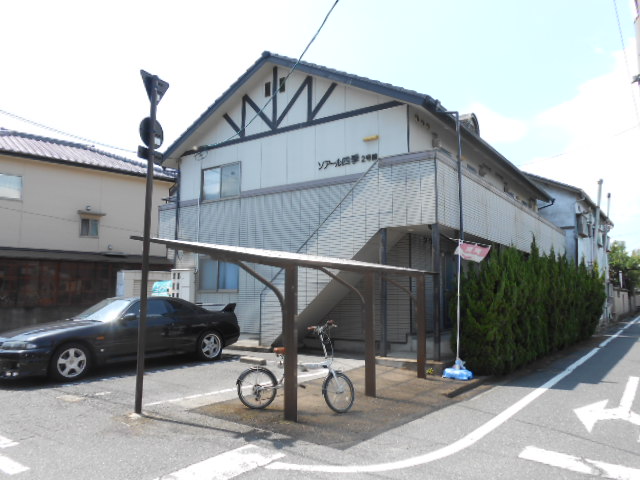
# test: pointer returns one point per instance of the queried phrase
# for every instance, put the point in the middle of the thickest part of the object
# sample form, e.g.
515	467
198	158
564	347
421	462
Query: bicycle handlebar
319	328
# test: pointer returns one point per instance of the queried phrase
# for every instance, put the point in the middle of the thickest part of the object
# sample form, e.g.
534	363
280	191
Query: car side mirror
128	317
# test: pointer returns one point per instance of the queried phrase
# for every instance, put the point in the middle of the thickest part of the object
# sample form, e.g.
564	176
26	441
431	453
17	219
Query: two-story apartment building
67	211
302	158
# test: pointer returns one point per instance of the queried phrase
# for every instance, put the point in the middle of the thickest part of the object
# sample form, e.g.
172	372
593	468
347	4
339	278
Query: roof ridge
68	143
134	163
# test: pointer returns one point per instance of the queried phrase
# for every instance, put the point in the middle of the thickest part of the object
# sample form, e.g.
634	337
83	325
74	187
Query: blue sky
548	80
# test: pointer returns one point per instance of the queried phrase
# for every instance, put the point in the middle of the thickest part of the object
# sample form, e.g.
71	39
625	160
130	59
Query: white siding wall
295	157
491	214
278	221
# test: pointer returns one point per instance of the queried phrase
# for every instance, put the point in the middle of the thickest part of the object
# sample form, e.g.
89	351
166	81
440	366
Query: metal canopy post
290	338
383	295
369	336
422	327
437	291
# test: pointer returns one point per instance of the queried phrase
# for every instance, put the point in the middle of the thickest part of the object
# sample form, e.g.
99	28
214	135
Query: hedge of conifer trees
516	308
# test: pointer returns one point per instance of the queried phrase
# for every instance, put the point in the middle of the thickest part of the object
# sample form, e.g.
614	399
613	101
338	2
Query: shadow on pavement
401	398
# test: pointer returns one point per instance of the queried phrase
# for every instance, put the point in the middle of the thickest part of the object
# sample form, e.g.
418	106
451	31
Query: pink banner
473	252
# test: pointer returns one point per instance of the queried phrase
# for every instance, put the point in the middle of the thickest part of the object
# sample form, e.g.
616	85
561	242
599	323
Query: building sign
350	160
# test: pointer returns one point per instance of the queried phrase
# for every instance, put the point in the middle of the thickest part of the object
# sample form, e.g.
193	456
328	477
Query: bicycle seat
278	350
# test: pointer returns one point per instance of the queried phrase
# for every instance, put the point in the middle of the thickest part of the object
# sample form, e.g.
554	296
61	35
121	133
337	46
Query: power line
86	140
624	55
576	149
93	142
275	92
68	220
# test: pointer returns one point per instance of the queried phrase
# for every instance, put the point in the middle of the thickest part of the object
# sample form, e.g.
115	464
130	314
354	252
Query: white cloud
602	127
496	128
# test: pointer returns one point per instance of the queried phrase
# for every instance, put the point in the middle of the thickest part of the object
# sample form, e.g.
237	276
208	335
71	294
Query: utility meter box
183	284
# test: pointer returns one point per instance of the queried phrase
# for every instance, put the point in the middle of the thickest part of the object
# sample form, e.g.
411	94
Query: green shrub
516	308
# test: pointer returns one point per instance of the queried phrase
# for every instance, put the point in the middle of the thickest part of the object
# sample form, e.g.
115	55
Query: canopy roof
282	259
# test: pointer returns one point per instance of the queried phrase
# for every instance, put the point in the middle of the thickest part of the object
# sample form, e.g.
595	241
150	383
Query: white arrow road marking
226	465
580	465
589	415
465	441
5	442
7	465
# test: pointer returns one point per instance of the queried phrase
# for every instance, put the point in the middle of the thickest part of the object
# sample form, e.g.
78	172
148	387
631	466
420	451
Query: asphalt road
577	416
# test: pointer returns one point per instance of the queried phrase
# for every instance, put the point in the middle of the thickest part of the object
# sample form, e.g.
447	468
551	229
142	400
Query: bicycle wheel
256	387
338	392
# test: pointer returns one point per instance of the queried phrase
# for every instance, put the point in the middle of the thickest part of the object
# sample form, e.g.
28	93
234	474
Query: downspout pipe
553	200
456	116
461	233
177	219
597	225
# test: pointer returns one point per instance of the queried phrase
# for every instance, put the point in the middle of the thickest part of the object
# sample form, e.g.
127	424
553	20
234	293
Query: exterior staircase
388	195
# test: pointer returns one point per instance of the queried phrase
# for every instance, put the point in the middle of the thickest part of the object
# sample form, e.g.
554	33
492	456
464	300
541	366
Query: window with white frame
221	182
10	186
215	275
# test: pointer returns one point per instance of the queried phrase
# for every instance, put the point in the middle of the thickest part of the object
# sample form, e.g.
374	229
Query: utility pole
152	136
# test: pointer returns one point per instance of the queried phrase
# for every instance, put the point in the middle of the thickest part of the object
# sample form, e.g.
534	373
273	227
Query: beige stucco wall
47	215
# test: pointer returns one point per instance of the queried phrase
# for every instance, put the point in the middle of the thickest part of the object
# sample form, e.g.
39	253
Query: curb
467	386
253	360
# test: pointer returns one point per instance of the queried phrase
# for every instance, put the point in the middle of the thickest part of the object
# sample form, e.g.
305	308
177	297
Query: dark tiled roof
75	154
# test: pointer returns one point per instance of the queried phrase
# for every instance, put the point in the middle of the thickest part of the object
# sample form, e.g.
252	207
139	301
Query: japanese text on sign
350	160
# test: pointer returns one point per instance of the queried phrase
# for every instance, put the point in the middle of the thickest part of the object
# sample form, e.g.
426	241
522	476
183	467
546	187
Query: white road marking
190	397
11	467
227	465
590	414
459	445
5	442
217	392
580	465
7	465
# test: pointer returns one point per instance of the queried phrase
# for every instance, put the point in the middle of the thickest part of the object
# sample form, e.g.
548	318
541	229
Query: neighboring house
67	212
574	212
585	225
342	166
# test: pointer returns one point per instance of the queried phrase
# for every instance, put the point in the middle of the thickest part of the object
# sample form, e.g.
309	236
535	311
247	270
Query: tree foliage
516	308
623	266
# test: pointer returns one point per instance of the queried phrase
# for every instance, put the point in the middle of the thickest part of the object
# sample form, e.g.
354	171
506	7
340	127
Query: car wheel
70	362
209	346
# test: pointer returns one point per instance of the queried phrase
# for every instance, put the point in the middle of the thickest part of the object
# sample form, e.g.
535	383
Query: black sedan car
108	332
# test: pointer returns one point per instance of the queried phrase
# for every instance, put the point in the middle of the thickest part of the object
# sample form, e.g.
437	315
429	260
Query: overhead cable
268	102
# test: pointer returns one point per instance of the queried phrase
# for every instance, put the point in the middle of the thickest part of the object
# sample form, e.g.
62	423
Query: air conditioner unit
183	284
583	226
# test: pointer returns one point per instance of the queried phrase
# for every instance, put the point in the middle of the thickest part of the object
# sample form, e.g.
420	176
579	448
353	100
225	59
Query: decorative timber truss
274	117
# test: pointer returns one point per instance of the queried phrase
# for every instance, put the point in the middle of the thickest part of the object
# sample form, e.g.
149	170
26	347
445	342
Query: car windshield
105	311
